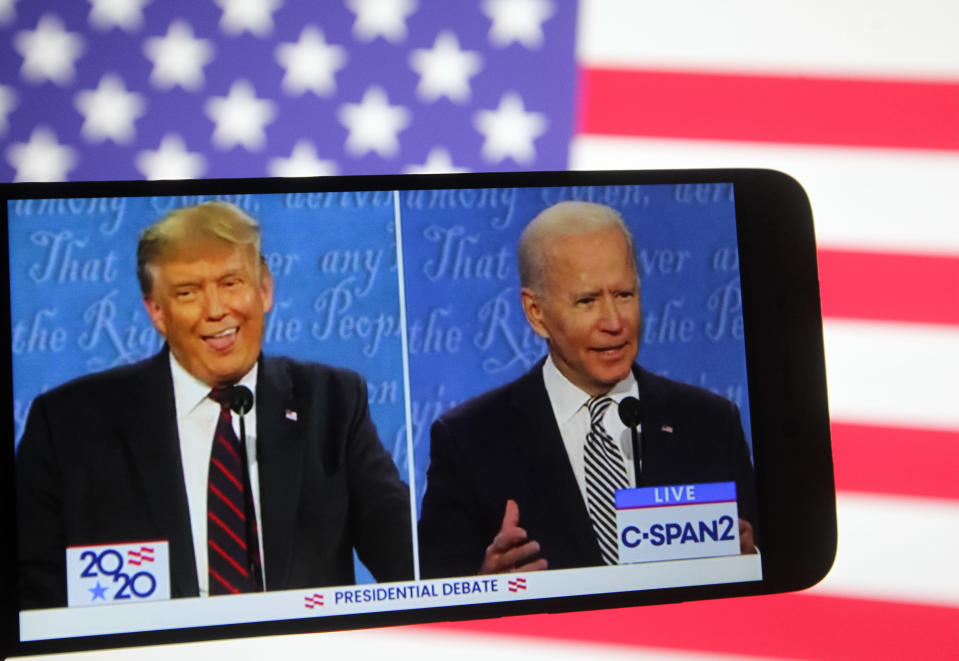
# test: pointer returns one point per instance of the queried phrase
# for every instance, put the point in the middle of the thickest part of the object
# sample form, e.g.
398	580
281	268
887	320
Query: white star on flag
310	63
381	18
6	11
303	162
438	161
517	20
509	130
43	158
49	52
445	70
124	14
170	161
240	117
253	16
178	57
373	124
109	111
8	101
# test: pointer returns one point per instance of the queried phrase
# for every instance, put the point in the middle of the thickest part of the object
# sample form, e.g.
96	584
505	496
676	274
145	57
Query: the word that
60	262
454	261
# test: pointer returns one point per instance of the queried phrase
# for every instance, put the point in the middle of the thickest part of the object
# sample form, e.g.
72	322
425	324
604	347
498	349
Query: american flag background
857	100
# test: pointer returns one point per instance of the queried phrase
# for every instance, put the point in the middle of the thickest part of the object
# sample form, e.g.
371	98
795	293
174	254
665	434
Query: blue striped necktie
605	473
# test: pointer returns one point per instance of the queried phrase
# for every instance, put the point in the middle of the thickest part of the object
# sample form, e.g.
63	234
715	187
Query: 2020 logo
110	563
118	573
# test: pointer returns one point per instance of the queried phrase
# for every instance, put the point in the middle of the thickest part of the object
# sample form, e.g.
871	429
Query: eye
585	300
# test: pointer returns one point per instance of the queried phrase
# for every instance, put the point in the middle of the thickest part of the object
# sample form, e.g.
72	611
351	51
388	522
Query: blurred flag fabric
858	101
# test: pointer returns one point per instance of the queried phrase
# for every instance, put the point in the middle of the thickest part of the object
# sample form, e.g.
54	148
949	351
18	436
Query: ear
533	309
266	289
156	314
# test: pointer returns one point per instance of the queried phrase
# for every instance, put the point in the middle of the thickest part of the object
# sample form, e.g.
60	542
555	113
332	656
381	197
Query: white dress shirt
572	417
196	419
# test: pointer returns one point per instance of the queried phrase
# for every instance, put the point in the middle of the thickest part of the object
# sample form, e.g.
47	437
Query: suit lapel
150	433
550	474
654	424
280	448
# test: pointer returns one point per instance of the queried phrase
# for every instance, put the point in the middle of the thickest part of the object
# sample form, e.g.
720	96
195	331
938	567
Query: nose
611	318
215	305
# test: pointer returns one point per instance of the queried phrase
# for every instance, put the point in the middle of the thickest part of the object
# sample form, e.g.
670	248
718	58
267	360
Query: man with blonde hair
522	478
262	473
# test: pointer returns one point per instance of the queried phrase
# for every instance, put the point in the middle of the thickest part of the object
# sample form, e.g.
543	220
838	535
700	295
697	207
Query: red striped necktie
232	541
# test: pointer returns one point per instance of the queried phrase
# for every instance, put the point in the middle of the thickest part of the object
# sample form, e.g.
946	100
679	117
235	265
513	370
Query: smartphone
473	396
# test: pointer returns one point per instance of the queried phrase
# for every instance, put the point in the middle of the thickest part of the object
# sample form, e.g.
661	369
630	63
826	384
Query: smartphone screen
429	424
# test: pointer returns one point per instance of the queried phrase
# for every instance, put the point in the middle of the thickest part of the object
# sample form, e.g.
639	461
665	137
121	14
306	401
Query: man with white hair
520	478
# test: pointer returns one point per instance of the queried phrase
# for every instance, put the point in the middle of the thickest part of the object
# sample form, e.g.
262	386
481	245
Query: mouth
613	352
222	340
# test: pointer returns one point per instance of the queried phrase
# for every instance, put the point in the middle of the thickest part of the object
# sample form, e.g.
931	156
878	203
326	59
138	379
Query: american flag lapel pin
291	415
667	428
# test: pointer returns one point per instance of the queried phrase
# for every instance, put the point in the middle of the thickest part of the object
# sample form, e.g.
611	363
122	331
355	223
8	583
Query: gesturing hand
511	549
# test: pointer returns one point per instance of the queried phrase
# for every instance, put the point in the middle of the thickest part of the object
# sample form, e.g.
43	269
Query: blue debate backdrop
76	307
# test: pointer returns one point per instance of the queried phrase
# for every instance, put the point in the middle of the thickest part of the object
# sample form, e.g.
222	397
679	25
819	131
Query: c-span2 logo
118	573
677	522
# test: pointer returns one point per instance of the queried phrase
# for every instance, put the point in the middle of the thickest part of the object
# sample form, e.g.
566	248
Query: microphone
631	413
241	399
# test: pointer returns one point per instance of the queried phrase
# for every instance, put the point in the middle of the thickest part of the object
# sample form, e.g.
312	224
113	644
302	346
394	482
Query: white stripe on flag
896	549
862	198
883	38
889	373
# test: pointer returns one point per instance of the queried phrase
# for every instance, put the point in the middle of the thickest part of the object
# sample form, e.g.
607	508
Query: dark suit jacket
506	444
100	463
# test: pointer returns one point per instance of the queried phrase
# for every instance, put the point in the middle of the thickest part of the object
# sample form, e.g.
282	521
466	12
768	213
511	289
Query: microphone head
630	412
241	399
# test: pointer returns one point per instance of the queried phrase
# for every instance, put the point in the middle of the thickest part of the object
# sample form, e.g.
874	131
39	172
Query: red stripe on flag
784	109
795	626
913	462
888	286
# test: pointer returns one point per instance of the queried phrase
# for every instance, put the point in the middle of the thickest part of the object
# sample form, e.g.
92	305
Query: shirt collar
567	399
189	392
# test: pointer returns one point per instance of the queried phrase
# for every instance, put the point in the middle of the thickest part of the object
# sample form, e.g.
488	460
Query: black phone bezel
786	378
